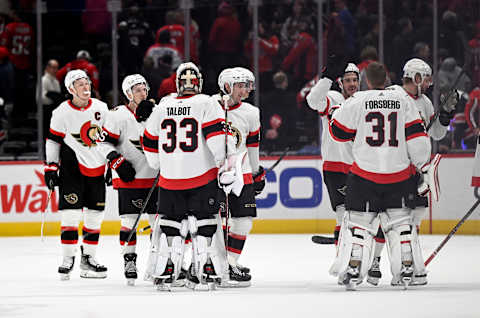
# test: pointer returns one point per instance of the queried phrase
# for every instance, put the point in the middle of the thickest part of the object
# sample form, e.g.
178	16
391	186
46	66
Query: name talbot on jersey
388	104
178	111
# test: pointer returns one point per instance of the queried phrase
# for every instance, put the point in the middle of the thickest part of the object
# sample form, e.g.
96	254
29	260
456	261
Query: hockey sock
91	231
69	228
127	222
237	236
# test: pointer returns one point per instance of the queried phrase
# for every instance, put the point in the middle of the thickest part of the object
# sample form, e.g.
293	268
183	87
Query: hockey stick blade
319	239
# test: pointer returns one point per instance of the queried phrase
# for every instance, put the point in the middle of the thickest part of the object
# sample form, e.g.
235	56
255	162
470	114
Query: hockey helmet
351	68
188	78
132	80
234	75
416	66
74	75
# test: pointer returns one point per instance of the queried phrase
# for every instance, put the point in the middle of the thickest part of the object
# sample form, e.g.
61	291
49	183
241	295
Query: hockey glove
144	110
108	177
51	175
122	166
444	117
259	181
428	179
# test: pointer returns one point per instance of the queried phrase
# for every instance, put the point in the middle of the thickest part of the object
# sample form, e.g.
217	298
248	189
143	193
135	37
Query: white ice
290	279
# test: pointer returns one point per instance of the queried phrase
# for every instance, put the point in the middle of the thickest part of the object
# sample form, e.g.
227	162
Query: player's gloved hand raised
51	175
122	166
259	181
449	102
144	110
444	118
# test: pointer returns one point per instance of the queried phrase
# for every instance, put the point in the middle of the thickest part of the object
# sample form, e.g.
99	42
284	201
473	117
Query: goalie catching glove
259	181
428	180
51	175
122	166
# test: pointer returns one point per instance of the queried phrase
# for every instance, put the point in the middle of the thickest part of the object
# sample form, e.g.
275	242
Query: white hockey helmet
351	68
231	76
416	66
132	80
190	73
248	75
74	75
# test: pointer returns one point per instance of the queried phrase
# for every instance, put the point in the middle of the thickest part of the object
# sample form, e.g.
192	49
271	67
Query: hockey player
235	85
185	136
132	176
74	163
388	136
417	78
337	157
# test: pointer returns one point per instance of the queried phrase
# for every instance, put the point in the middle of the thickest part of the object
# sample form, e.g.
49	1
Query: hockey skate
236	278
374	273
90	268
351	277
406	275
207	281
130	268
419	279
66	267
164	281
244	269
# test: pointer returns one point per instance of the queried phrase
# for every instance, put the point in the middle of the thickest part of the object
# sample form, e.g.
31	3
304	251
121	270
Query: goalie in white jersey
132	177
337	157
235	85
185	138
388	137
417	78
74	163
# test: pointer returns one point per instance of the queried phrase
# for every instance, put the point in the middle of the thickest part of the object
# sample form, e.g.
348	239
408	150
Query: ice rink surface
290	279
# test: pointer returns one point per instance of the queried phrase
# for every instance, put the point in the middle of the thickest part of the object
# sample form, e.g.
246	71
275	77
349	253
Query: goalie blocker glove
122	166
51	175
259	181
144	110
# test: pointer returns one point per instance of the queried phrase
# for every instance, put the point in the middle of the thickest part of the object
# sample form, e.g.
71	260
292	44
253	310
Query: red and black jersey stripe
56	136
213	128
340	132
150	142
253	138
110	137
414	129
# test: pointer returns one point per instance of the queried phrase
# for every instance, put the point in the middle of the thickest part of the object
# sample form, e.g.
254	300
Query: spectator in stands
349	27
6	91
82	63
289	28
224	40
168	85
452	36
474	66
51	93
135	36
163	48
268	48
421	50
448	74
155	76
472	117
401	46
302	58
368	55
278	115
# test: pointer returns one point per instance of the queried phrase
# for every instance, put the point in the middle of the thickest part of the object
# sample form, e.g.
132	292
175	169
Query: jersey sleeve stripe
325	112
253	133
149	135
111	134
56	136
420	134
150	143
213	129
213	122
340	132
414	130
253	139
417	121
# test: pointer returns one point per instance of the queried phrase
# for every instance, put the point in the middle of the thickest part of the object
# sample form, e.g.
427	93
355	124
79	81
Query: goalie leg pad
398	227
418	215
355	242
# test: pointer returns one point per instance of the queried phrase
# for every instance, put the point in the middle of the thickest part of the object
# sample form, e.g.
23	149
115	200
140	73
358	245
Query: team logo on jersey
71	198
236	134
137	144
89	134
138	203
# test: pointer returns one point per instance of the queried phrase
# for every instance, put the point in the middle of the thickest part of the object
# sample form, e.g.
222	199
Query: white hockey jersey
244	124
79	129
476	166
185	138
387	132
425	107
122	133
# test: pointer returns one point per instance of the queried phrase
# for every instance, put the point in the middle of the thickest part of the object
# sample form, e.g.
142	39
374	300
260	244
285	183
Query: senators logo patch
71	198
236	134
137	144
88	135
138	203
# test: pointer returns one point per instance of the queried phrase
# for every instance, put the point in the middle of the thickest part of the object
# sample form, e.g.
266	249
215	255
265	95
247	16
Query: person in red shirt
302	57
81	63
224	39
474	45
268	49
472	117
167	86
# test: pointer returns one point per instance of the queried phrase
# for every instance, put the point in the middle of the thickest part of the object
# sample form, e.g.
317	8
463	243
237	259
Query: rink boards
295	199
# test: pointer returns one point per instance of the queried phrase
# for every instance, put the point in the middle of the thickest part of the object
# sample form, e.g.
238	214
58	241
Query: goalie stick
452	232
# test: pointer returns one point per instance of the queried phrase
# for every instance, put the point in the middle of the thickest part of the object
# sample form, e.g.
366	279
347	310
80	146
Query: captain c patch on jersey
88	134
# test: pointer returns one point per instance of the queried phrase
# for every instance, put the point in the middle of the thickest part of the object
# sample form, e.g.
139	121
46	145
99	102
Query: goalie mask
188	79
416	67
130	81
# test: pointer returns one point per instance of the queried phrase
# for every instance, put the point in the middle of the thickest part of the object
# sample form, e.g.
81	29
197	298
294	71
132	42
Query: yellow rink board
260	226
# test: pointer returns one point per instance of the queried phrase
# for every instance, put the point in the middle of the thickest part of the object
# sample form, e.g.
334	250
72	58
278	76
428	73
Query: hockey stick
452	232
320	239
450	92
144	206
278	160
43	214
227	230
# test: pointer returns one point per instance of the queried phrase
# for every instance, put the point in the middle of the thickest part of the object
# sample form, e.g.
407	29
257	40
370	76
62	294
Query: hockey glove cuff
51	175
144	110
259	181
122	166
